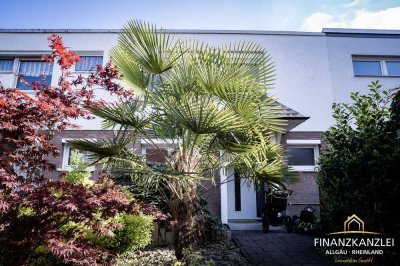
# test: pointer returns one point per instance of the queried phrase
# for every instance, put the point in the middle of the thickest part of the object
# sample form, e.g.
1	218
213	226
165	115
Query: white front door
241	199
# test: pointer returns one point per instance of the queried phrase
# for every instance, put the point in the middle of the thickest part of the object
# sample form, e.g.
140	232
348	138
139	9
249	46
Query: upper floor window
376	66
88	63
6	65
393	68
34	70
367	68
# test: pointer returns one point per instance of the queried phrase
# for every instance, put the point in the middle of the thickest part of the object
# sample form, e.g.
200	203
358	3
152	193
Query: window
84	156
393	68
302	154
157	150
34	70
88	63
376	66
67	154
6	65
156	155
367	68
238	195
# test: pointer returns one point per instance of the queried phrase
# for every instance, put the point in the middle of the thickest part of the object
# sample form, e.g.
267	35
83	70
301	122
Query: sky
286	15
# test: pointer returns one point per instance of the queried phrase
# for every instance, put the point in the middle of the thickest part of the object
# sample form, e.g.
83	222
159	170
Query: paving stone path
279	248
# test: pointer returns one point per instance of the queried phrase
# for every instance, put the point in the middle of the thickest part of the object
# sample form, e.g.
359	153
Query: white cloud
362	19
352	3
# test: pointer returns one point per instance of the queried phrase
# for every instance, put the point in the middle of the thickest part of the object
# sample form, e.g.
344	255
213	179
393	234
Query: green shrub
79	173
42	257
359	173
135	234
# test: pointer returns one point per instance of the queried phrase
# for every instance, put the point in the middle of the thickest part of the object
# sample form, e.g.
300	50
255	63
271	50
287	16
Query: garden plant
359	172
49	222
212	107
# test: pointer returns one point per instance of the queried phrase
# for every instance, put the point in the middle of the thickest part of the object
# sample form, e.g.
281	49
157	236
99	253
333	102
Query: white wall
341	49
312	70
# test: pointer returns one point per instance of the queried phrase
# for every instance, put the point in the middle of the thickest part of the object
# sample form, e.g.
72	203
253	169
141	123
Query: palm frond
199	113
132	114
103	149
133	74
154	50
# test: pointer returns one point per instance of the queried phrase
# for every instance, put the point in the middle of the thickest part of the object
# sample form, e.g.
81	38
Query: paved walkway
279	248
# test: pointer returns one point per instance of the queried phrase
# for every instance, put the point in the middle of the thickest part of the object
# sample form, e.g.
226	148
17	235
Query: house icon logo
353	225
353	222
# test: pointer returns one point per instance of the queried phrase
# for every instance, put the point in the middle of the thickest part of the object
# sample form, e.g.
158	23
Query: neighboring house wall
340	50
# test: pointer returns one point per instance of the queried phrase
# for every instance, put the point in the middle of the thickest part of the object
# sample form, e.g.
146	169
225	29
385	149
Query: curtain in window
88	63
34	71
6	65
35	68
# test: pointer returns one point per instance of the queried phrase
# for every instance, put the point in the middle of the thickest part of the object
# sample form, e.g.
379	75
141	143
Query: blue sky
294	15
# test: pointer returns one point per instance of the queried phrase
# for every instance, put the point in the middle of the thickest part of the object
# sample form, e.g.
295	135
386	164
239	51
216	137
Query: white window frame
17	63
87	55
314	144
382	61
65	167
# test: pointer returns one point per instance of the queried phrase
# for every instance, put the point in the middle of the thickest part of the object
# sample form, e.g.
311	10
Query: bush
42	257
212	224
359	171
79	173
135	234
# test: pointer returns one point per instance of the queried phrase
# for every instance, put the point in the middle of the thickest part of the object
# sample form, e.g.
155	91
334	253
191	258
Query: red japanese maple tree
33	209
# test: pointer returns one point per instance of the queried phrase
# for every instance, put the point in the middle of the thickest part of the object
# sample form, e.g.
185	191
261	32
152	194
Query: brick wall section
212	193
306	191
209	192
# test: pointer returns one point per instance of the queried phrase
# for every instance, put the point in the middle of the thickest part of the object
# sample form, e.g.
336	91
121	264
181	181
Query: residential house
313	71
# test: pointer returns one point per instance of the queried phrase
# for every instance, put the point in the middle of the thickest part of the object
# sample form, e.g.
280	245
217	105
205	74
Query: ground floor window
302	155
85	156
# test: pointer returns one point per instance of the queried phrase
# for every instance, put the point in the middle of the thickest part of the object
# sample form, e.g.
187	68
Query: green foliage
135	234
194	258
151	257
42	257
308	228
211	223
200	100
359	171
79	173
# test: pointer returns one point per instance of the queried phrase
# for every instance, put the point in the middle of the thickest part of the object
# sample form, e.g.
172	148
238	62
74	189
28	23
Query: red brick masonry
305	192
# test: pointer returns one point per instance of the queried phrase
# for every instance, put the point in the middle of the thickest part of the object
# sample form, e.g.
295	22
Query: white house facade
313	70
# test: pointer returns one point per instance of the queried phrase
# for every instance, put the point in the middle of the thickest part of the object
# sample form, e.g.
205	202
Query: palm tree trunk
187	231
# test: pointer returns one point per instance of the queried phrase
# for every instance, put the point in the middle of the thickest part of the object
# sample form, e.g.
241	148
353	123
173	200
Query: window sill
302	168
375	76
29	92
69	169
83	72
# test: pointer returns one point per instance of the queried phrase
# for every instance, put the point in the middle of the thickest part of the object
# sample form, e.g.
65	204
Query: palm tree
211	104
